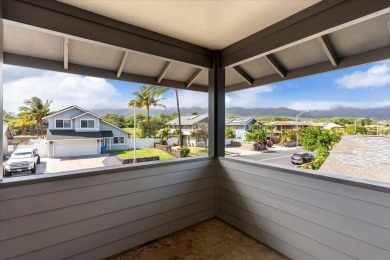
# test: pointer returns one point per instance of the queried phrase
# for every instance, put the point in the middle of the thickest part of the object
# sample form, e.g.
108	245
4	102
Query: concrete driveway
51	165
79	163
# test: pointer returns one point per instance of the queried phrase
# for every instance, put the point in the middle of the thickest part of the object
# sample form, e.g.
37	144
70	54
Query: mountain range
377	113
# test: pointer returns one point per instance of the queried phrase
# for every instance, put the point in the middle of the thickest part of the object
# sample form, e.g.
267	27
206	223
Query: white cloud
247	98
376	76
326	105
187	98
64	89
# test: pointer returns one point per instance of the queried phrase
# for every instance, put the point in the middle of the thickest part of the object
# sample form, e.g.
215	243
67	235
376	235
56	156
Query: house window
119	140
63	123
185	127
87	123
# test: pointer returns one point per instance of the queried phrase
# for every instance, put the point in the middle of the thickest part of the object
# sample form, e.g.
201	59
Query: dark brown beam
164	71
25	61
346	62
305	25
193	77
217	108
248	79
63	18
276	65
327	47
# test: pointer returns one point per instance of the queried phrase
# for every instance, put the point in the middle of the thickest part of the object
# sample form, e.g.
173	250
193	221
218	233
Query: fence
149	142
36	144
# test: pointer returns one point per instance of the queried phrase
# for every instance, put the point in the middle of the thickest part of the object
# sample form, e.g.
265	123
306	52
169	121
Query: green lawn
144	152
199	151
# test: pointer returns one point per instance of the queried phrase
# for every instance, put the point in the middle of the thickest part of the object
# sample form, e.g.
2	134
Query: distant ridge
377	113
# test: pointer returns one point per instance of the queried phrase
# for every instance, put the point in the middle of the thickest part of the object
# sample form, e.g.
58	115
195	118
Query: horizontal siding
69	114
81	216
323	219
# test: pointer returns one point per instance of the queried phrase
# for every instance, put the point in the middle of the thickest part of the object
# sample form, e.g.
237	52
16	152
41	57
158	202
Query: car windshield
18	155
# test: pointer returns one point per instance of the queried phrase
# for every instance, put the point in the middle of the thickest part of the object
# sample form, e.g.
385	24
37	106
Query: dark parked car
301	158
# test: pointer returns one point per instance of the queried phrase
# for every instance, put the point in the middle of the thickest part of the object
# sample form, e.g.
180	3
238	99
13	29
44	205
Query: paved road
277	157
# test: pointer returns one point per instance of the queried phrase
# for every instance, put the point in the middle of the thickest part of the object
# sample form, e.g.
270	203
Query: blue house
241	125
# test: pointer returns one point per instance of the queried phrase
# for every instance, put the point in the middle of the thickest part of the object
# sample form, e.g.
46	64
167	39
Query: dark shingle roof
107	134
71	134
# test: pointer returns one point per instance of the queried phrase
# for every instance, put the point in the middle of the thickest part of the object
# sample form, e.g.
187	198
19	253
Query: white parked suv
21	160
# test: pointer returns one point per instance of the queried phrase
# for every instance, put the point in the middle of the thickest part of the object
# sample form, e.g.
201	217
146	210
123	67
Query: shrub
184	151
306	166
230	133
318	161
258	135
163	142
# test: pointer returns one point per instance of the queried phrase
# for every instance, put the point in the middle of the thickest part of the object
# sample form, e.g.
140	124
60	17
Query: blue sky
362	86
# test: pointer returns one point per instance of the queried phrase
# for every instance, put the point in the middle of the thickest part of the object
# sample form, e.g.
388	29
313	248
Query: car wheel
7	173
34	170
39	160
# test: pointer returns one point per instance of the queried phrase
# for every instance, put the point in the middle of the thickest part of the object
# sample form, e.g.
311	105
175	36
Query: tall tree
116	120
33	112
146	98
159	90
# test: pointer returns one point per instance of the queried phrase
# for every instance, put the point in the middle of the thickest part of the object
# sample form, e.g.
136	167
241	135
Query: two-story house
241	125
188	125
74	131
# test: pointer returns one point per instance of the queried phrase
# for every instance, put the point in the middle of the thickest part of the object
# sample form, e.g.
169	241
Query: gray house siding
77	121
117	133
98	216
302	217
64	115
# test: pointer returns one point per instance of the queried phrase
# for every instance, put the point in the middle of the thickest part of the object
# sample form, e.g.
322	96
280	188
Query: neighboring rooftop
239	120
332	125
289	123
366	157
188	120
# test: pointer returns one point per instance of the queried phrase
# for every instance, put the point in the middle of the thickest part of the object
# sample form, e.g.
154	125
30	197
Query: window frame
113	140
63	123
94	124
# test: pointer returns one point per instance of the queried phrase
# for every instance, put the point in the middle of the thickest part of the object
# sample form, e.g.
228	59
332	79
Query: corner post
217	107
1	93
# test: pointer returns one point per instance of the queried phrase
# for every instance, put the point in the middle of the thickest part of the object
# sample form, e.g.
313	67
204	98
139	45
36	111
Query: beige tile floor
212	239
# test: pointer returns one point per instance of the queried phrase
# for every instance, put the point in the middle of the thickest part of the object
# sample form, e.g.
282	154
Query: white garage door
75	148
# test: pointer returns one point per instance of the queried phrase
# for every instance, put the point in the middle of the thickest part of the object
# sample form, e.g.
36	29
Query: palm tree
33	112
159	90
146	98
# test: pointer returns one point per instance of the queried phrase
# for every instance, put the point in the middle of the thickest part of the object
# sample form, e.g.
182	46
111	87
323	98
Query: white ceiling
211	24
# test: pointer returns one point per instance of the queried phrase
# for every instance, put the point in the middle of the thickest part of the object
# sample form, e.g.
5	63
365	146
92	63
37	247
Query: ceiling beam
122	64
25	61
248	79
327	47
313	22
346	62
193	77
77	23
66	53
163	71
276	65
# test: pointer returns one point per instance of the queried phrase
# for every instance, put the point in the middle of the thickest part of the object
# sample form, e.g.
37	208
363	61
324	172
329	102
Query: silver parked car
21	160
